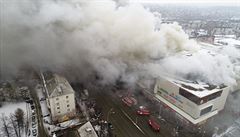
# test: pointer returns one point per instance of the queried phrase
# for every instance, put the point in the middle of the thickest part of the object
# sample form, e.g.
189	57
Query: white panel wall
63	102
184	104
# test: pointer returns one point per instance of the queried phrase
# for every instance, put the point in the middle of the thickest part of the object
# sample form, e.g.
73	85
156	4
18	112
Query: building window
59	112
206	110
58	107
211	97
56	98
67	105
66	96
57	104
214	95
67	101
68	109
190	96
196	99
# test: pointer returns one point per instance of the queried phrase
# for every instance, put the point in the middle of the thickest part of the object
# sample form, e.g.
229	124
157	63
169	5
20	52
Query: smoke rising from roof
114	41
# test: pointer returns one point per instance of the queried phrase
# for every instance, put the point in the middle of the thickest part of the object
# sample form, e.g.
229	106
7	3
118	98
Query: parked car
33	118
110	126
34	124
47	115
143	111
29	101
34	132
42	99
32	107
33	112
29	132
154	125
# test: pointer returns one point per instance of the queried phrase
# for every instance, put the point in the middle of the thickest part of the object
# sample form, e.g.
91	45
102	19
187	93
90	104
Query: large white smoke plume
101	37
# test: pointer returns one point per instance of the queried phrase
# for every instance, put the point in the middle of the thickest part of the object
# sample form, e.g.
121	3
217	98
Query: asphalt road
122	124
125	121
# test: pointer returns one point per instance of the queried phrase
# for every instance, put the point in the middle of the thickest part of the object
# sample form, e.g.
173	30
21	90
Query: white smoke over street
114	41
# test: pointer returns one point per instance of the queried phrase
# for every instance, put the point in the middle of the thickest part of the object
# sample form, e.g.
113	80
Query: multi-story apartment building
60	98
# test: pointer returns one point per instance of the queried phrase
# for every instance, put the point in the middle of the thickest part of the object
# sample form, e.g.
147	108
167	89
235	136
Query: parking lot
32	119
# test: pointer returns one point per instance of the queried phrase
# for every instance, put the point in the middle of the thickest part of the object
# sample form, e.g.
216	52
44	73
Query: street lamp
136	119
160	110
109	113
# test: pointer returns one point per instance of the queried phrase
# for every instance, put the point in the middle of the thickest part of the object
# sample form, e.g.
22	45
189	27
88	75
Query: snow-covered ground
9	108
43	103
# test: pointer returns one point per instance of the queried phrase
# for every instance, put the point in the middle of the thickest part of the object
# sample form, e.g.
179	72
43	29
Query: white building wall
183	103
171	93
62	105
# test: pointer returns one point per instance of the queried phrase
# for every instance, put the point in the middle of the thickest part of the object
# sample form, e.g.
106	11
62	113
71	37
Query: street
127	123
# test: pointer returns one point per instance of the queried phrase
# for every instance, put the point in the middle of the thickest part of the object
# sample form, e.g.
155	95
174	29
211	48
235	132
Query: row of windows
59	104
67	110
206	110
58	98
67	106
196	99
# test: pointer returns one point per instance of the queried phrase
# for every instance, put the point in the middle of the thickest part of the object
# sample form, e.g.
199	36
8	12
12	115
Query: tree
14	124
19	117
5	125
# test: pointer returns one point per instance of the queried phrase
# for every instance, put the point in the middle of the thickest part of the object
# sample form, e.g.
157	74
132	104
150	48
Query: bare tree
5	125
19	117
14	124
26	125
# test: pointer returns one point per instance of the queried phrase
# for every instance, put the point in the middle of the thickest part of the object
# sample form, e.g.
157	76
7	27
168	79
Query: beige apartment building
60	98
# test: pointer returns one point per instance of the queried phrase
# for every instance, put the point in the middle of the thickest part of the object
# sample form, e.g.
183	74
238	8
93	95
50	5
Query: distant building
87	130
226	40
202	32
224	30
192	100
60	98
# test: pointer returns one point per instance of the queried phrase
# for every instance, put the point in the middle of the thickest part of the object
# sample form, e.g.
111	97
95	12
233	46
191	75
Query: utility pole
160	111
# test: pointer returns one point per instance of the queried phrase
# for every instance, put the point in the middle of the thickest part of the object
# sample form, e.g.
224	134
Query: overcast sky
188	1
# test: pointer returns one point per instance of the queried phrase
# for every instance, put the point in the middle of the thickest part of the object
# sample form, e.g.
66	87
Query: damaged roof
57	85
199	89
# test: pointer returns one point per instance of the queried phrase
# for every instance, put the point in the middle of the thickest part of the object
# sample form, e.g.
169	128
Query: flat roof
198	89
87	130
